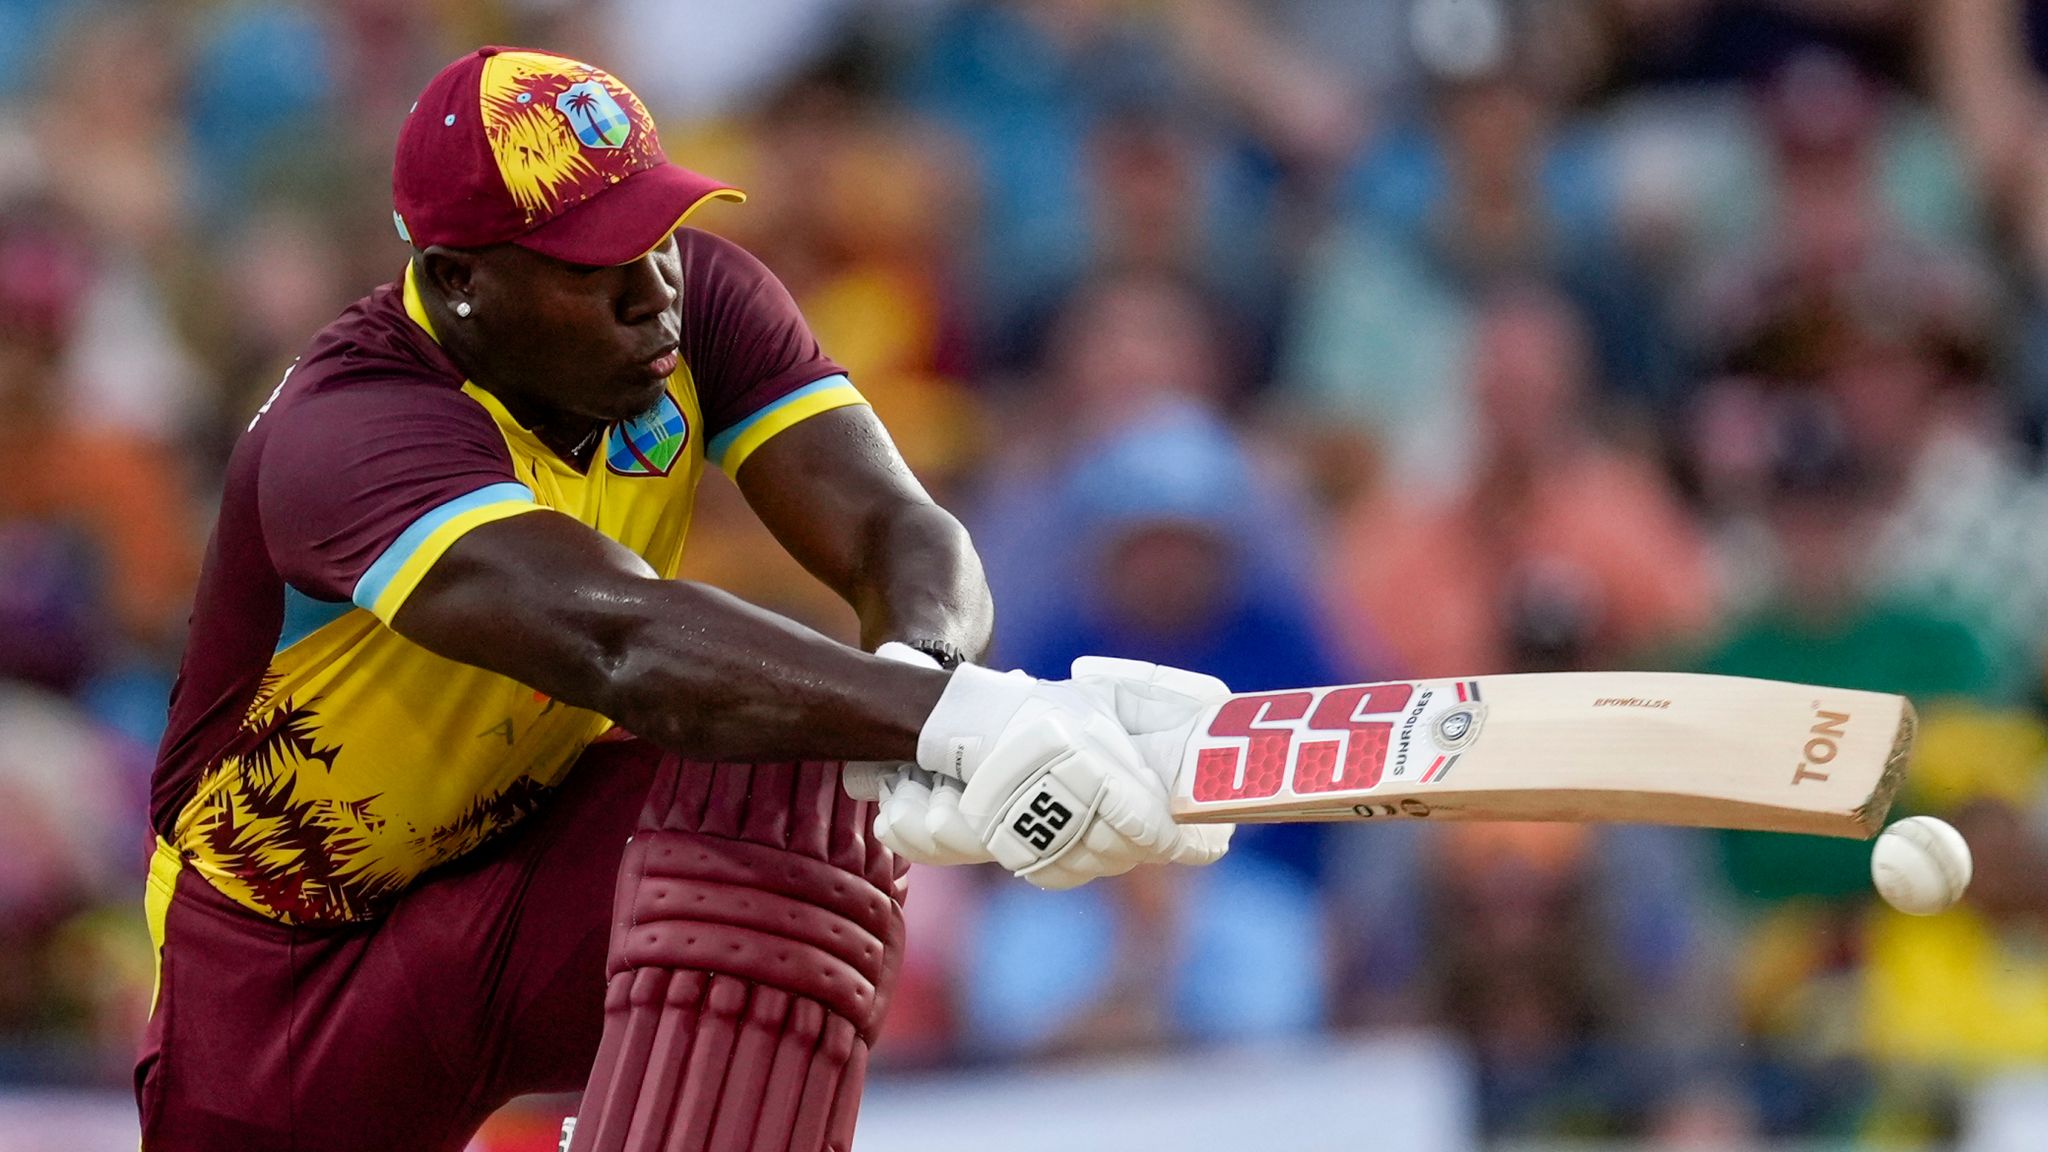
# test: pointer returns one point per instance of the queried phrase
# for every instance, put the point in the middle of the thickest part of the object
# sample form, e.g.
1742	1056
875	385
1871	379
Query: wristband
949	656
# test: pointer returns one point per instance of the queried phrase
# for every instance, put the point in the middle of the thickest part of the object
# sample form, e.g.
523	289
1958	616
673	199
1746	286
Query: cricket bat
1626	747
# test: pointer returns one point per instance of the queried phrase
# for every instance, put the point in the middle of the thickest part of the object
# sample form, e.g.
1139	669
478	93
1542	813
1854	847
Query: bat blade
1619	747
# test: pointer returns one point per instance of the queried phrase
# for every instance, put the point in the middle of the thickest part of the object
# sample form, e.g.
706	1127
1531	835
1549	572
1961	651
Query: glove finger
1106	844
1201	844
949	828
887	832
1084	864
1196	686
1099	841
1138	816
1148	697
1147	708
909	799
1112	668
1162	752
1055	879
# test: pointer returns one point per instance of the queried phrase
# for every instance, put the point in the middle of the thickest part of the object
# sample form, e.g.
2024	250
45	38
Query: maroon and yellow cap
514	145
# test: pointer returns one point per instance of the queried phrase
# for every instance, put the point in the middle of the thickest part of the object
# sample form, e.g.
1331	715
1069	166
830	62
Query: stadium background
1291	340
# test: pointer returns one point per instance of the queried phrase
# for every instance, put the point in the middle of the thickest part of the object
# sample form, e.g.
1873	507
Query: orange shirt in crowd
1423	577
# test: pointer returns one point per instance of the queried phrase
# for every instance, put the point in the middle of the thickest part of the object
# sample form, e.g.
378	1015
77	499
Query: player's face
596	342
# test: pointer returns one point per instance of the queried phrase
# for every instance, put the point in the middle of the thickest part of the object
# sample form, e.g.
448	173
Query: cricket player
392	887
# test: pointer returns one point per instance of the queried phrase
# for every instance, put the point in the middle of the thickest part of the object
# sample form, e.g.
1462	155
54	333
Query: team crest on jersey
597	118
650	443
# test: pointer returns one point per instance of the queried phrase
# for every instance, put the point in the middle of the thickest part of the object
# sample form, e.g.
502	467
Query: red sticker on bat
1261	753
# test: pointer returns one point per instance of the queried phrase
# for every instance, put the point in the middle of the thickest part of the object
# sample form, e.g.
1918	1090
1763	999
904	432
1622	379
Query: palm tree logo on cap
597	118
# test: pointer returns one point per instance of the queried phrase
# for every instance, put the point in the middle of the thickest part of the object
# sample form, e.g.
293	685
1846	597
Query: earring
463	309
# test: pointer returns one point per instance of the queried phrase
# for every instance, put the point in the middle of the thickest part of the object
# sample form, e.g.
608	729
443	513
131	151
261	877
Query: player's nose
647	292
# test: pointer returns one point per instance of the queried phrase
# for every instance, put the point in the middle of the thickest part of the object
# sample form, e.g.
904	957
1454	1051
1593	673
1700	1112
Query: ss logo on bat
1042	822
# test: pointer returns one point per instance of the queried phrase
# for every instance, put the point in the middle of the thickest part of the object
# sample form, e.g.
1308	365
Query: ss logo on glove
1042	822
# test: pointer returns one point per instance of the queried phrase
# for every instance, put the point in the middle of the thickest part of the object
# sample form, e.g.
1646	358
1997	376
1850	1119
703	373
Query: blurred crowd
1295	341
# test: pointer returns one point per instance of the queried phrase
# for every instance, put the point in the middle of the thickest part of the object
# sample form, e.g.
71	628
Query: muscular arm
836	494
552	603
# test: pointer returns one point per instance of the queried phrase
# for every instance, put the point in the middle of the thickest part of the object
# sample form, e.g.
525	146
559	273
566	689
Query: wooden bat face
1635	747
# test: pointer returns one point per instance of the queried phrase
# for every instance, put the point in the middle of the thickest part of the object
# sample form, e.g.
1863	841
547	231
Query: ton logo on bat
1828	727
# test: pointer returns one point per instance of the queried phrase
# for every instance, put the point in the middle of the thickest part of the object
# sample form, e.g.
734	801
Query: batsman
466	796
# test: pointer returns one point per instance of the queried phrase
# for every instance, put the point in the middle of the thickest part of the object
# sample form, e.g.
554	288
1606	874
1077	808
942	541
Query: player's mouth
663	366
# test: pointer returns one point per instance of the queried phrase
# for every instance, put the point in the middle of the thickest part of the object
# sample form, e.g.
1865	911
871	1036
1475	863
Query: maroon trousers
488	978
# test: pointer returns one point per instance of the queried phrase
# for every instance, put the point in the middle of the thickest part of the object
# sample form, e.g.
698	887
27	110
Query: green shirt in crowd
1886	647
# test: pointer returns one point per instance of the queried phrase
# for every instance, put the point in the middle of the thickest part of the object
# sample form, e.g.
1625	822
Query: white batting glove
928	816
1157	705
1060	806
917	813
865	779
1054	789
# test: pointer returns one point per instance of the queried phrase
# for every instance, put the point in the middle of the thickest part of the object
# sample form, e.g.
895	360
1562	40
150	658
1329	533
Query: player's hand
917	813
1158	706
918	816
1059	806
1054	789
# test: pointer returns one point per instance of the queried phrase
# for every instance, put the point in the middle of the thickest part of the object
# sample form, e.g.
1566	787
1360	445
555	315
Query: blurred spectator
1125	347
1028	86
1811	176
1156	568
1967	991
1158	520
1823	625
1162	955
1691	42
1557	551
98	530
1145	207
132	184
237	140
1489	183
1985	59
71	814
705	60
1571	958
857	210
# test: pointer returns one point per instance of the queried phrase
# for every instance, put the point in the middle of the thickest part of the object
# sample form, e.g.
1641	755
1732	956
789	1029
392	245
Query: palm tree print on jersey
287	853
314	859
484	819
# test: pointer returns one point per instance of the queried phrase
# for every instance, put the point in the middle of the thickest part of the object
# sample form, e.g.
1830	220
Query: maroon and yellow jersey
316	761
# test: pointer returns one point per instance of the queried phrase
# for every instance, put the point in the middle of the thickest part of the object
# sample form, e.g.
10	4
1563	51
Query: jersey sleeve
757	367
361	490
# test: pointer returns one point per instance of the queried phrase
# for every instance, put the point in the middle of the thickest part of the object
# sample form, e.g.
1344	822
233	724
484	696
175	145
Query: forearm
696	669
921	581
551	604
838	497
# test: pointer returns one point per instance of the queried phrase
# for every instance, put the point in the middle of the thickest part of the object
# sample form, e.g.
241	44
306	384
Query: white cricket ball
1920	865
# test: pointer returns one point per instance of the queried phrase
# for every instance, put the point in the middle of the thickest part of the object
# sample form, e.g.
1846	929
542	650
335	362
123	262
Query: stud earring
463	309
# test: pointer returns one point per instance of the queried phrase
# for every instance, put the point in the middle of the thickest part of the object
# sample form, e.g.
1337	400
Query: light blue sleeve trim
723	442
303	616
380	573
